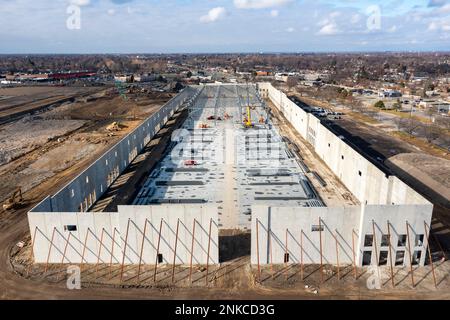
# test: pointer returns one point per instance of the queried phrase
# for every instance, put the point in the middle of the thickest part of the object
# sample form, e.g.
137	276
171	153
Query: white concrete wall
368	183
133	218
347	224
384	199
339	222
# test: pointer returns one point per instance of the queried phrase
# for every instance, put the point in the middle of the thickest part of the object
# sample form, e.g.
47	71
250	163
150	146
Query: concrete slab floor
216	159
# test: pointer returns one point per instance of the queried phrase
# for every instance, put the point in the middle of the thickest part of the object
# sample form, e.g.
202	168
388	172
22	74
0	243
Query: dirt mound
427	174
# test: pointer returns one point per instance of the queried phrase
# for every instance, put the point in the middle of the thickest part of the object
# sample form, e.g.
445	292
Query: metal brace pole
157	250
175	252
209	248
142	250
124	251
427	234
50	250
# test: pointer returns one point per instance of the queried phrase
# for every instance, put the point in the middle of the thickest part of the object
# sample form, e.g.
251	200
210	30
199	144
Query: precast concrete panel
82	192
275	223
79	235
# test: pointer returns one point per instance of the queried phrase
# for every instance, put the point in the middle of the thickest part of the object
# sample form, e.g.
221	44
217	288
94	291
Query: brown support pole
355	271
286	251
157	250
337	256
192	251
270	248
32	250
375	248
301	255
50	249
257	250
427	234
65	250
84	248
321	252
439	244
112	251
410	255
209	248
175	252
124	251
390	254
142	250
99	252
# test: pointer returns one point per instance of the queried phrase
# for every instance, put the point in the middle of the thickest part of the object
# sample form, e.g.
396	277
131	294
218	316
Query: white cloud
329	29
290	30
259	4
111	12
392	29
355	19
335	14
80	3
213	15
274	13
445	9
439	25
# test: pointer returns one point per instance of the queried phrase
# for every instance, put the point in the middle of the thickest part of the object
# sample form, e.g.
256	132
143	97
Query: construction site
230	187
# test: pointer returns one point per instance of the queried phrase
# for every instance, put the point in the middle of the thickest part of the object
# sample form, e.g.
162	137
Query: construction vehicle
262	120
203	126
14	201
190	163
115	126
248	119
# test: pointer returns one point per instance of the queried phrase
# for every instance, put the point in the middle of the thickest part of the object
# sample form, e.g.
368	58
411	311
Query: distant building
262	73
145	77
390	94
124	78
438	106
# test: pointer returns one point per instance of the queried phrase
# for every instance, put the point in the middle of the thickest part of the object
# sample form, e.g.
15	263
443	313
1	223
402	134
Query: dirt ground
36	148
15	96
423	166
334	192
234	278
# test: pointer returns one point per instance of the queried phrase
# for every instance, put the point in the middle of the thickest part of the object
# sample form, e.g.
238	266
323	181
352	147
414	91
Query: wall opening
367	258
400	258
416	257
368	240
402	240
160	258
419	240
385	240
70	228
317	228
286	257
383	258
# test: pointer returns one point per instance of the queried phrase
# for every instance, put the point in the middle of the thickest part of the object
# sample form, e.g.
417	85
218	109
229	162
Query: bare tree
292	82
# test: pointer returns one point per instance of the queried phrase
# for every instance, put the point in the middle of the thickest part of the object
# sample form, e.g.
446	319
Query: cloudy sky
166	26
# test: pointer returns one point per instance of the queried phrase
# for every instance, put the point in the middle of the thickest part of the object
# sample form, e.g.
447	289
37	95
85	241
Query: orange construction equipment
203	126
190	163
14	201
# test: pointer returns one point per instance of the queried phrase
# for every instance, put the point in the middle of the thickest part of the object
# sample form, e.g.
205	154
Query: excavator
14	201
